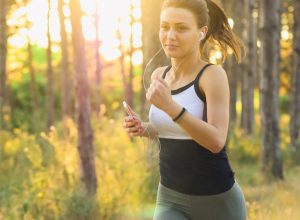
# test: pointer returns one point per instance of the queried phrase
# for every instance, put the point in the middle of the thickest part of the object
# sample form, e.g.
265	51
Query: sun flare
114	28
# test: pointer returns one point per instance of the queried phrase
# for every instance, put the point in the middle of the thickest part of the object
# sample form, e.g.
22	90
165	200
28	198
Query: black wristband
179	115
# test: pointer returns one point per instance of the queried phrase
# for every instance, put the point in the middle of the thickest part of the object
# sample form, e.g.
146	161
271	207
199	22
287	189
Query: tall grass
40	175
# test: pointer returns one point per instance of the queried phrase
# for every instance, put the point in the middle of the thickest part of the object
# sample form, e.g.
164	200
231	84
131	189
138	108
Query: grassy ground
265	200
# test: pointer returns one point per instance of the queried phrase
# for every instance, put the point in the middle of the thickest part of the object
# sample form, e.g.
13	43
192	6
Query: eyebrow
179	23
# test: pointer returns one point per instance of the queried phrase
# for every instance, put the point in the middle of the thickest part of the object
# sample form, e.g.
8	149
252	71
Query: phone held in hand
127	108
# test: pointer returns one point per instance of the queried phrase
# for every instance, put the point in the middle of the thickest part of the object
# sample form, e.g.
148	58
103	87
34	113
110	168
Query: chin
171	54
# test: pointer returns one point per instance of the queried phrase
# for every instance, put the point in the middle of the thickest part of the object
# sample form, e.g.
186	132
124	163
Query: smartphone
126	108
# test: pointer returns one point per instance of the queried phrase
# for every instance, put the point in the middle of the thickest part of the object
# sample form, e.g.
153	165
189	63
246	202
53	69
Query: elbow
218	146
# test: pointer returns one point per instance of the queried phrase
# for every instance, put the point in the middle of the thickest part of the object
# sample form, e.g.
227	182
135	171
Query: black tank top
188	167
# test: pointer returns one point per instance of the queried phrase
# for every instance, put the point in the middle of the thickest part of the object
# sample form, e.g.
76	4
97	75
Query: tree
98	71
129	88
151	44
232	68
248	76
50	96
66	101
3	51
85	133
269	31
295	100
33	90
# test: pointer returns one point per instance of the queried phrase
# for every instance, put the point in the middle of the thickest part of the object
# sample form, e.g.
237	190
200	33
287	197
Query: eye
164	27
182	28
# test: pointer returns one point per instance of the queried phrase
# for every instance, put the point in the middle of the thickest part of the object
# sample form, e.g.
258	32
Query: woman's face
179	33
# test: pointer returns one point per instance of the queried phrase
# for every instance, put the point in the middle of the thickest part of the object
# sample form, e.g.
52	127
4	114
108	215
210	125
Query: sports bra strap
196	83
197	77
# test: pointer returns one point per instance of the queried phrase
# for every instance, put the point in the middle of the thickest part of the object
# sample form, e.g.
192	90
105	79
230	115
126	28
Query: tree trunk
151	46
66	101
33	90
129	89
295	100
270	27
241	69
50	98
248	77
98	61
232	68
122	63
85	133
3	52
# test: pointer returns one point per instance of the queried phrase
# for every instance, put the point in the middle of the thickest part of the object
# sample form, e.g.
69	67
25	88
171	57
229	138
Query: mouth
171	46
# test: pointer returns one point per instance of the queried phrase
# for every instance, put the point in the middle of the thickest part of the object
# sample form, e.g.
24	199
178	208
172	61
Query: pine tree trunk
33	90
231	66
295	100
3	51
122	64
98	62
151	45
270	27
129	87
241	29
249	73
50	98
85	133
66	101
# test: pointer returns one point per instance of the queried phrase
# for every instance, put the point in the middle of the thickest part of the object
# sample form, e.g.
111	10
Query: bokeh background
67	65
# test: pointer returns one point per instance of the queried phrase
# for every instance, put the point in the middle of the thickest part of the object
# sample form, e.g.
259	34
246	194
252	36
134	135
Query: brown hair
209	14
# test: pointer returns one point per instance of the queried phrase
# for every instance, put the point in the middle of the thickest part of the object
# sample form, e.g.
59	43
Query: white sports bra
188	96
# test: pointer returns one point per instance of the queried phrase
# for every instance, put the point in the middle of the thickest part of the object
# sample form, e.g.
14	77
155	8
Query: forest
66	66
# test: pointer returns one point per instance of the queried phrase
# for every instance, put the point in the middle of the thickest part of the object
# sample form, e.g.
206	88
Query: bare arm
133	125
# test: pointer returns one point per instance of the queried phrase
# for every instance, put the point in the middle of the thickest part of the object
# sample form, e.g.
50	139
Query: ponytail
220	31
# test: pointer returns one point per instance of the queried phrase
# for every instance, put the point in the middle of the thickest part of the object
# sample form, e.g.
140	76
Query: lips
171	46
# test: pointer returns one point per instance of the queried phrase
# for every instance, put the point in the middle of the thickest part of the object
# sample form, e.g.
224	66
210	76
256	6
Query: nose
171	34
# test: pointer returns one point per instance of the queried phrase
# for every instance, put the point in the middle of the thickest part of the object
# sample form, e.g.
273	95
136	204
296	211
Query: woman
190	115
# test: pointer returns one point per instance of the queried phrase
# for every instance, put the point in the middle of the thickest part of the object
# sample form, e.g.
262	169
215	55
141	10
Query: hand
132	124
159	94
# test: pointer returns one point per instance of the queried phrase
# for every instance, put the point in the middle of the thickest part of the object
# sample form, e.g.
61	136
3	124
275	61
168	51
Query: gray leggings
173	205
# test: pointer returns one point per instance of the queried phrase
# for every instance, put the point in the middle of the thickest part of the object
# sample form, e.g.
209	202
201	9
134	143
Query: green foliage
40	176
244	148
23	115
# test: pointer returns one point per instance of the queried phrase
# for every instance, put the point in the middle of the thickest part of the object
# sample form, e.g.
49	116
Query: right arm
133	125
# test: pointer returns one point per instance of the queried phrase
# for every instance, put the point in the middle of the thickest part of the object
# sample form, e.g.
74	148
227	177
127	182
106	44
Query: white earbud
201	37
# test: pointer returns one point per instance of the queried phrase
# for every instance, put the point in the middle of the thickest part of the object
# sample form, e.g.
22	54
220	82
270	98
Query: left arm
213	133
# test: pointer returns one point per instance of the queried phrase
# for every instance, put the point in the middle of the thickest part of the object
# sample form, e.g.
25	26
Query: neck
185	65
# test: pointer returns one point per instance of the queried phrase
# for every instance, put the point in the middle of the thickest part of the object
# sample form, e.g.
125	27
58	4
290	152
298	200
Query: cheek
191	40
161	35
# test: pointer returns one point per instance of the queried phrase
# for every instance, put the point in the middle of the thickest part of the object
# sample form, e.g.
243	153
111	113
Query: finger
131	118
162	81
148	95
129	124
138	133
132	130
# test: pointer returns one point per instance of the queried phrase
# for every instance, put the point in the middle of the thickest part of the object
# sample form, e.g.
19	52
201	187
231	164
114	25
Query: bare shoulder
215	72
158	72
214	78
